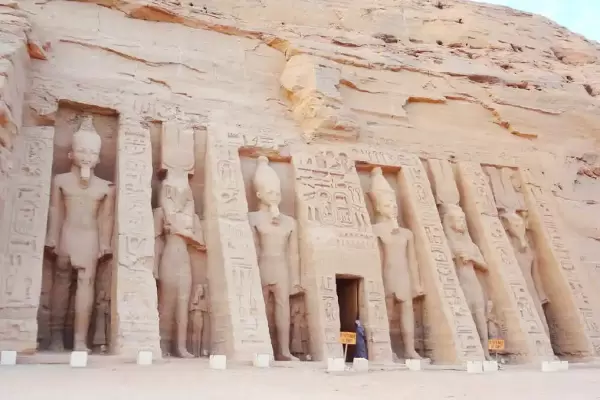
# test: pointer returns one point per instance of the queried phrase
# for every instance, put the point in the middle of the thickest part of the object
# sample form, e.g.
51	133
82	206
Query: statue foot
56	345
81	347
488	357
287	357
413	355
184	353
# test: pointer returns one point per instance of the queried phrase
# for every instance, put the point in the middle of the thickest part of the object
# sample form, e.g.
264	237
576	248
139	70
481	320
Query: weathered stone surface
377	84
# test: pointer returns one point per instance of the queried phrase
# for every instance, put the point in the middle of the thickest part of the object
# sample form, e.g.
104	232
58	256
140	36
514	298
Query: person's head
515	226
267	186
455	216
85	151
383	196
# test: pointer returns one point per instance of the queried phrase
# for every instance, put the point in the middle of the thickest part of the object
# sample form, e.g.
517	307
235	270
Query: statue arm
413	267
106	220
478	260
55	214
294	258
198	241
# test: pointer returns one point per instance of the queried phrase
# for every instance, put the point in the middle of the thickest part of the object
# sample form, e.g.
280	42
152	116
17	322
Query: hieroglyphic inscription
446	306
513	303
238	317
22	235
574	314
336	232
136	299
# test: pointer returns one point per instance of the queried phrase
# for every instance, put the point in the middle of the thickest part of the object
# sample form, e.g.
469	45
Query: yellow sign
348	337
496	344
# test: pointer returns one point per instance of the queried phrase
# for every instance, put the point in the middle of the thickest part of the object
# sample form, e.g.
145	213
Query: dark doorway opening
347	288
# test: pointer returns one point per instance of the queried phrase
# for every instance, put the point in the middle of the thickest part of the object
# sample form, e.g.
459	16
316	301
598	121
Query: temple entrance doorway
348	287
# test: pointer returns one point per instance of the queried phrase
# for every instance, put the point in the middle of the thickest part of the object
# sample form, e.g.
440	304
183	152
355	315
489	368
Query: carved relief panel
21	264
337	242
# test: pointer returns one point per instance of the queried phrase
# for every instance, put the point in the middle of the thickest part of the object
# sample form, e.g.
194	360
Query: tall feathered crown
264	176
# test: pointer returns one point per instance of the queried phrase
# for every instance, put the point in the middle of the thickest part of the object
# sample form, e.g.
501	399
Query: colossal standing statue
177	227
515	225
80	227
276	239
467	257
399	261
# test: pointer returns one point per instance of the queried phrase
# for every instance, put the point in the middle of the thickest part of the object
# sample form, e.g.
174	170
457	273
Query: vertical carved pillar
134	306
22	238
452	334
336	238
526	337
573	316
238	317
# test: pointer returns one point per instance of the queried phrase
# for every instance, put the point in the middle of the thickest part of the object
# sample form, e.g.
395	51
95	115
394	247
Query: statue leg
183	305
205	348
540	310
390	306
408	329
266	290
84	304
282	322
198	327
59	302
166	314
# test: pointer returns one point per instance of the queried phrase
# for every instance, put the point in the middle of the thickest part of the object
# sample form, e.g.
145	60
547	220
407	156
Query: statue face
270	195
387	206
458	220
85	156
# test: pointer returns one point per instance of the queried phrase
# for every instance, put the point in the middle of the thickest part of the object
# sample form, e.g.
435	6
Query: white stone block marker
414	364
79	359
144	358
217	362
474	367
8	357
490	366
262	360
360	364
563	366
336	365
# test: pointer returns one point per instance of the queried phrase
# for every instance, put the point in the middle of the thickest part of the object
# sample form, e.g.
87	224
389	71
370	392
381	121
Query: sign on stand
496	345
347	338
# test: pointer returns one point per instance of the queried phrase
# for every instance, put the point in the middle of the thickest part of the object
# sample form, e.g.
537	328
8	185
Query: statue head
383	197
453	215
267	186
516	226
85	152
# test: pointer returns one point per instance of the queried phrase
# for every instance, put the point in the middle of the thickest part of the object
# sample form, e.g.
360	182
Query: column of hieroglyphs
452	336
336	237
239	326
22	238
525	337
134	308
573	315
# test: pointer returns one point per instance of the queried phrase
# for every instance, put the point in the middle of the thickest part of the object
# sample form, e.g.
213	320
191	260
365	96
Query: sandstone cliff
435	77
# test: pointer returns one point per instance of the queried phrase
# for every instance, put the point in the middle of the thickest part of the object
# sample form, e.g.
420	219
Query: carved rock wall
466	81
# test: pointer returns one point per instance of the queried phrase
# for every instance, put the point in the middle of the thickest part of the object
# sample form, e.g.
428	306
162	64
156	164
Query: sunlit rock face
327	91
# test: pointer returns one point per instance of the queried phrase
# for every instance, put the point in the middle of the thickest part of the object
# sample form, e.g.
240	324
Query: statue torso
272	250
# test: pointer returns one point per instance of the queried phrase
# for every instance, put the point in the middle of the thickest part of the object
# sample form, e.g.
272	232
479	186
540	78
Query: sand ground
191	379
